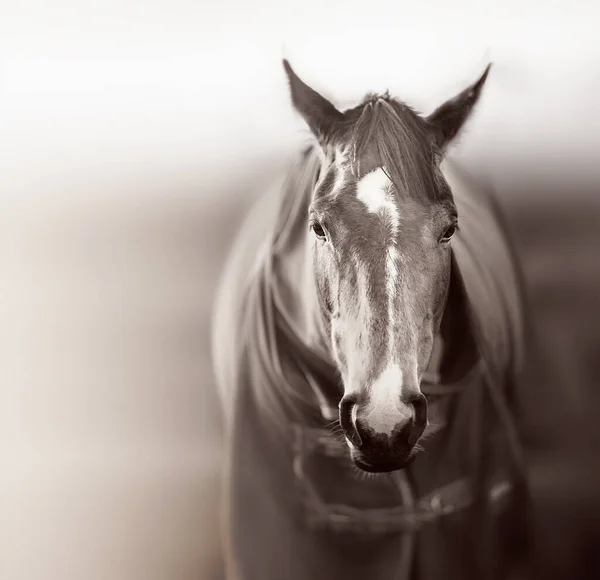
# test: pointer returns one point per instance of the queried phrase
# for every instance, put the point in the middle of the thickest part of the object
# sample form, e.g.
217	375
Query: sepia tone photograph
300	290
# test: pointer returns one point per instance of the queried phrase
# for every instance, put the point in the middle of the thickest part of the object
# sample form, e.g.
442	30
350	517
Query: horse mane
284	372
491	281
490	274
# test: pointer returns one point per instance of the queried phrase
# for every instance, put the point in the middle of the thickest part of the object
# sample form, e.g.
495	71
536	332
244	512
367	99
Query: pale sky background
148	90
123	125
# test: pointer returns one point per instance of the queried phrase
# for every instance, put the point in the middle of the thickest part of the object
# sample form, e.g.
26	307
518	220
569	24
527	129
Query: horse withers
368	336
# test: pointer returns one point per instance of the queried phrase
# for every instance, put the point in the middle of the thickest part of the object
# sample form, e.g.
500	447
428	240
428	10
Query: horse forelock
386	133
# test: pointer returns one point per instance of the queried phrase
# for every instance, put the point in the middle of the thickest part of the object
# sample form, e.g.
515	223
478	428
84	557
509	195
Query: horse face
382	218
382	264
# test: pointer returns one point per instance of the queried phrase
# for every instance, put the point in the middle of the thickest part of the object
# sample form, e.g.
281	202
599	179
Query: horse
368	337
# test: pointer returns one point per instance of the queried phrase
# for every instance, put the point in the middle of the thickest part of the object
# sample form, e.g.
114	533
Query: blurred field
558	239
132	138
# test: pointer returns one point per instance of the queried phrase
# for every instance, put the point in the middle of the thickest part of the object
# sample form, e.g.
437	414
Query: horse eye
318	230
448	234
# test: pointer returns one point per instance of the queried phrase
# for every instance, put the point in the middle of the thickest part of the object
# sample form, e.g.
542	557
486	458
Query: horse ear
448	119
318	113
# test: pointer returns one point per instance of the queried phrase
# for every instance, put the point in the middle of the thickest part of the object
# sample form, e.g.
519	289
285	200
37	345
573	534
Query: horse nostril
347	407
419	404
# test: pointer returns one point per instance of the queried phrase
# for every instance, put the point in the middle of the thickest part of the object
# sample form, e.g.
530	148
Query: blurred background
133	136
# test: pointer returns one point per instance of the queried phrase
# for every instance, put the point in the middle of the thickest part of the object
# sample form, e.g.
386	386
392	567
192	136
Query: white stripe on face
391	280
385	410
375	191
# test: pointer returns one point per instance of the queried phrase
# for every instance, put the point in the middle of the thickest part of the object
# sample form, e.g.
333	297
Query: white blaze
375	191
372	190
385	410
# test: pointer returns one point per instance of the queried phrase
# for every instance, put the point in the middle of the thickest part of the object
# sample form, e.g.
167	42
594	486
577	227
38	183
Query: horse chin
383	464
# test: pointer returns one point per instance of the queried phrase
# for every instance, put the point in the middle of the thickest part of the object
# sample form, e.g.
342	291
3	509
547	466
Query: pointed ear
448	119
318	113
